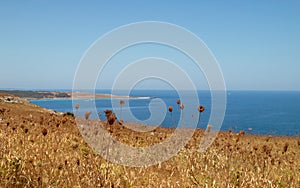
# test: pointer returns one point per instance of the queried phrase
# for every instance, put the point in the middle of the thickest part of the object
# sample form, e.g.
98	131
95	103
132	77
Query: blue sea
256	112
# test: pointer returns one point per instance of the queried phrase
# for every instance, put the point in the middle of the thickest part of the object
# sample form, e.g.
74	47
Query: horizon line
141	89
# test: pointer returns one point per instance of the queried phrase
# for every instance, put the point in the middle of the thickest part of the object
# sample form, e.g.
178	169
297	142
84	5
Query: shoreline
31	106
48	95
82	96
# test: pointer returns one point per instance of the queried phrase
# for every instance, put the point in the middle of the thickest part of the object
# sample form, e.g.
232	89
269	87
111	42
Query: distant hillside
36	94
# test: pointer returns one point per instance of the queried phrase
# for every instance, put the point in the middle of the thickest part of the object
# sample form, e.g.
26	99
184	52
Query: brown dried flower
122	102
111	119
77	106
208	129
181	106
44	131
107	113
87	115
242	132
201	108
285	147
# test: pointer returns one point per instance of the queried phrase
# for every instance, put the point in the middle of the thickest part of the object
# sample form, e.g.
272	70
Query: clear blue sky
257	43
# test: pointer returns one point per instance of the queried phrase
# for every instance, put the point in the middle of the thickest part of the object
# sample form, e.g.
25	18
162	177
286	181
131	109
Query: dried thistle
122	102
44	131
242	132
255	148
208	129
268	138
285	147
110	116
60	166
267	150
107	113
170	108
182	121
111	119
77	106
87	115
201	108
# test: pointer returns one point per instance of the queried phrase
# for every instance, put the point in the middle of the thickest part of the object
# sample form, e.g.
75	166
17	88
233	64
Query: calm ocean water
266	112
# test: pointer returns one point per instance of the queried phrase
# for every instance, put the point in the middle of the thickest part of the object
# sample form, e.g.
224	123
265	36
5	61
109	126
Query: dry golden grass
43	149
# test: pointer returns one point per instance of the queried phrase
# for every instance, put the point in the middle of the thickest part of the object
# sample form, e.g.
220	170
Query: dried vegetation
40	148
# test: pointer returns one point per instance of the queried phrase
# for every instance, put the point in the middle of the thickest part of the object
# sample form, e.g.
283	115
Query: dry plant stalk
87	115
122	102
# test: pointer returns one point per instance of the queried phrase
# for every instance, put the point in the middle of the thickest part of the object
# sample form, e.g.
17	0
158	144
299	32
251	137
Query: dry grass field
40	148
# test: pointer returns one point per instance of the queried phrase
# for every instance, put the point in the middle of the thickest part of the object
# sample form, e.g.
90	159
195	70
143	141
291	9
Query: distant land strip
27	94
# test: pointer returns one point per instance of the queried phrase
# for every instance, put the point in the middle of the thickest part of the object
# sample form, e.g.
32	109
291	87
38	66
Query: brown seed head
122	102
178	102
107	113
77	106
60	166
285	147
255	148
208	129
87	115
170	108
44	131
242	132
201	108
181	106
111	119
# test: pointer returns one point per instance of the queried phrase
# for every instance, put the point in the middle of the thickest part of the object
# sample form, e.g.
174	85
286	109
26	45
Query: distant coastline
83	95
36	95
